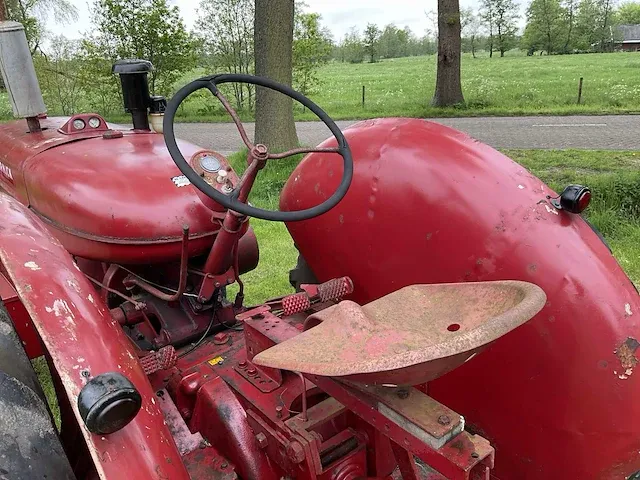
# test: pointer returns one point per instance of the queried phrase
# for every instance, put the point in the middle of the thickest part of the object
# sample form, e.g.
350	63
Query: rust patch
627	357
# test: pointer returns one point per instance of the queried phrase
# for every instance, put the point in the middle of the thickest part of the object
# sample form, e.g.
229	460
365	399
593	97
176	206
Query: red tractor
449	306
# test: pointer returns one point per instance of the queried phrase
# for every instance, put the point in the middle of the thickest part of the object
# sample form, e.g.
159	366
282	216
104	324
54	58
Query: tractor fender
558	396
83	341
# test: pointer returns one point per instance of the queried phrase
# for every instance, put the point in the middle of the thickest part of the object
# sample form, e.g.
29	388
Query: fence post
580	91
362	96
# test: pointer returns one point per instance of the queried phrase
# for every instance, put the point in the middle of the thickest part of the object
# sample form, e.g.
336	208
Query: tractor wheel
301	274
29	445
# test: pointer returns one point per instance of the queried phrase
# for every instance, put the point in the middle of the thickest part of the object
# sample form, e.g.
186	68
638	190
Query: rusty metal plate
410	336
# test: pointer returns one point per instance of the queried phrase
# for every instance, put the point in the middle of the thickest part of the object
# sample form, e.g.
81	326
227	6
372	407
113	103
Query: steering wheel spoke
236	200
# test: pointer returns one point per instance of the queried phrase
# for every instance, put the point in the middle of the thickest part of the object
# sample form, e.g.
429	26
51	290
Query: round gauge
94	122
210	164
78	124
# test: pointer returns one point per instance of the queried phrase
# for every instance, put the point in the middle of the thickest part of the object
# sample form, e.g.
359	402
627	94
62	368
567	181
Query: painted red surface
428	204
108	199
83	341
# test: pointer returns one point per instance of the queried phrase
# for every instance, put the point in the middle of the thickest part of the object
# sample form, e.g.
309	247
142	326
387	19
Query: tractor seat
407	337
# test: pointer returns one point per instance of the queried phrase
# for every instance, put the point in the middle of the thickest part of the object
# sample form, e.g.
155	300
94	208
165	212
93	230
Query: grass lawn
513	85
614	178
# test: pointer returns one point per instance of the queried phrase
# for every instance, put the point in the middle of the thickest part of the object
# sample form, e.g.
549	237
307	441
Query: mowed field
512	85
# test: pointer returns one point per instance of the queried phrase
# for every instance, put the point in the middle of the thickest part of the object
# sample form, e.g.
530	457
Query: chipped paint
32	266
627	357
521	187
627	309
74	284
550	209
90	298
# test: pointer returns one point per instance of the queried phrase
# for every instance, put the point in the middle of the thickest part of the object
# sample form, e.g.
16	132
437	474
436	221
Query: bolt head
295	452
261	438
279	411
220	338
402	393
260	148
444	420
252	371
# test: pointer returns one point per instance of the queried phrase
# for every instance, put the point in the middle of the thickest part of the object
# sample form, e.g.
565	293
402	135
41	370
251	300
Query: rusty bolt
444	420
261	149
252	371
224	465
242	364
402	393
295	452
220	338
261	438
217	284
197	307
186	413
279	411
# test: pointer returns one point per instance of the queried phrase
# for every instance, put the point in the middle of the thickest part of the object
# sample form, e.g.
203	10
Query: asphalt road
609	132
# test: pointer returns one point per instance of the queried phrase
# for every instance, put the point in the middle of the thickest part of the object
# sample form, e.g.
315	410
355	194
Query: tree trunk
273	35
448	87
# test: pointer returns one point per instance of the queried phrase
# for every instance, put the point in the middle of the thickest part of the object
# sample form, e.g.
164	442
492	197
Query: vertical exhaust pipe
18	72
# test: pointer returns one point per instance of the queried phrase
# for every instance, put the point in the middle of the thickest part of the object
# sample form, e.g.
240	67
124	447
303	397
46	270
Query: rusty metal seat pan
408	337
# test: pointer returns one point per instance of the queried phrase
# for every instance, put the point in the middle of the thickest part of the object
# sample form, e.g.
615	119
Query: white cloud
338	15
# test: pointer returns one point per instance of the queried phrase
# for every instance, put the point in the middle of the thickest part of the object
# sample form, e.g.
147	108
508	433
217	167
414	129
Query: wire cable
204	335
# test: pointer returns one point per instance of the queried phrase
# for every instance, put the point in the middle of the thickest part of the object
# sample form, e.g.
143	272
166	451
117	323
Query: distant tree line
570	26
389	42
76	74
553	26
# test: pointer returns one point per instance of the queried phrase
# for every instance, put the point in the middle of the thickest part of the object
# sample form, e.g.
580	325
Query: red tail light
574	198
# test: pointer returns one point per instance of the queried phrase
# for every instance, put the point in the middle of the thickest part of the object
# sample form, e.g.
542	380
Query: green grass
513	85
614	178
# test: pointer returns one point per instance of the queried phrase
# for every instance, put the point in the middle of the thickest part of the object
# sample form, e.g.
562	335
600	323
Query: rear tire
29	445
301	274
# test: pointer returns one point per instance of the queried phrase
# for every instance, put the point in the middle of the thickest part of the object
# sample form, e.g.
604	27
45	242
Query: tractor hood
107	198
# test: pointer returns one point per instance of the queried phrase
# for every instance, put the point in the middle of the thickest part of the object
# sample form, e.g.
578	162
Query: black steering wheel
259	153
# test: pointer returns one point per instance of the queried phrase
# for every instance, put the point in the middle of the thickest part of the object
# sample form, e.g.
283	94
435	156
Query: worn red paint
80	336
80	186
428	204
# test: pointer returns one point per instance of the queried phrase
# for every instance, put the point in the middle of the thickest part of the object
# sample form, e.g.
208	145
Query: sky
338	15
